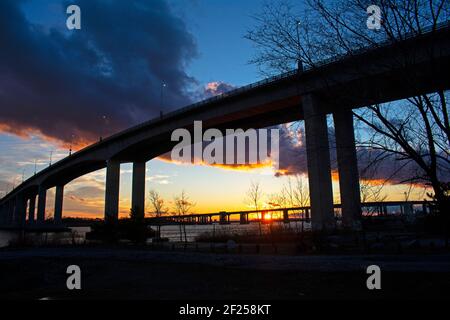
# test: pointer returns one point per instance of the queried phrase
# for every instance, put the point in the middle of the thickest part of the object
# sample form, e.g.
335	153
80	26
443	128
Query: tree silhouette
414	131
183	206
253	198
159	207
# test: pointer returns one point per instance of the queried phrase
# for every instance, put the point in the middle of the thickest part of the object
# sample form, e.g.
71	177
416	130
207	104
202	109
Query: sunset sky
60	89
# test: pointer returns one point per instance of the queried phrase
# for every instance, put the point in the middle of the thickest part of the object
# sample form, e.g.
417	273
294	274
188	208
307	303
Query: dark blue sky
218	27
108	75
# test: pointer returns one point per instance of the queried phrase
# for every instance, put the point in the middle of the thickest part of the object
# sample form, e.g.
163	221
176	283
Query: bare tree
301	191
276	200
415	131
296	191
285	33
372	192
183	206
371	188
158	205
290	194
253	198
254	195
412	136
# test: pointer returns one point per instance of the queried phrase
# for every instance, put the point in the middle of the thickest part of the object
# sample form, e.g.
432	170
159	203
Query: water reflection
77	235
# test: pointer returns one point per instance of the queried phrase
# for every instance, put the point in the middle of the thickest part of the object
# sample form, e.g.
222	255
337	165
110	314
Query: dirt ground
140	274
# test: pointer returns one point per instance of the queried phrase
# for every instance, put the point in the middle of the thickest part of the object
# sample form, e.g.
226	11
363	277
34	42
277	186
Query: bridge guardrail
288	74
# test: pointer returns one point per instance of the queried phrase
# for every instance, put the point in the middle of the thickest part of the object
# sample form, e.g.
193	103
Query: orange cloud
231	167
20	131
79	141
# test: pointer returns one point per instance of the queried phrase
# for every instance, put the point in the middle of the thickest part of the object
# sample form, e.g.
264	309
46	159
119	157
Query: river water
77	235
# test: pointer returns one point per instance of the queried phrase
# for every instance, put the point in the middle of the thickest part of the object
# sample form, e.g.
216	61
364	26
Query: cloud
82	193
5	187
159	179
292	150
76	86
373	164
212	89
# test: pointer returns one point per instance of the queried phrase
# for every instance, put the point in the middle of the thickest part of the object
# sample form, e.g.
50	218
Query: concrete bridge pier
10	209
112	191
348	169
32	208
318	158
138	188
4	214
20	210
42	199
59	198
223	218
285	216
11	212
244	218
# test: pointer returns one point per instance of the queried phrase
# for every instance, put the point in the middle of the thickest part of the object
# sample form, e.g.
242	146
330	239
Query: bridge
295	214
386	72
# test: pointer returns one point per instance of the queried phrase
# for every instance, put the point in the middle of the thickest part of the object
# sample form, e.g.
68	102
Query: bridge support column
243	218
10	212
138	188
285	216
42	200
20	210
223	217
348	169
112	191
32	209
59	198
4	214
319	168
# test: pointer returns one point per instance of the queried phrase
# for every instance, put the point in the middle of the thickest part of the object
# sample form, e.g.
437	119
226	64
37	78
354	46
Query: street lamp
71	142
163	86
105	119
299	59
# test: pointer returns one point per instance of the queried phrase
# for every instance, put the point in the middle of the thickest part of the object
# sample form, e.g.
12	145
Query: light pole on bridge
71	142
104	127
163	86
299	59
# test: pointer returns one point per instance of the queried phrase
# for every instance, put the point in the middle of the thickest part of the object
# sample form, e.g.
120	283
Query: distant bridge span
376	209
388	72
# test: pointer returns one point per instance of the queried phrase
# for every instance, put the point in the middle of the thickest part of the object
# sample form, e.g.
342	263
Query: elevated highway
387	72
